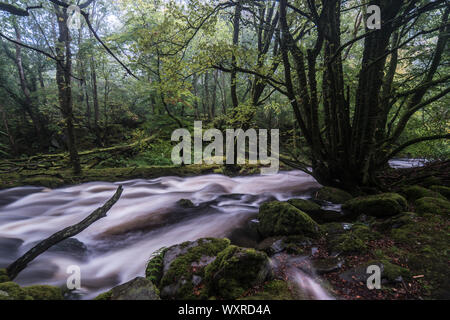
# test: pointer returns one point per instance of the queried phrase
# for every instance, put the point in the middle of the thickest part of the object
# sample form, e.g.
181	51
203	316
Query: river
147	217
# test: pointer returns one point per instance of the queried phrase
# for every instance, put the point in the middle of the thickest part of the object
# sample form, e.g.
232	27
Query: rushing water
145	219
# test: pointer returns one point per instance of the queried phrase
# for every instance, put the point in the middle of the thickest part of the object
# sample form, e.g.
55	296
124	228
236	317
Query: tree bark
64	81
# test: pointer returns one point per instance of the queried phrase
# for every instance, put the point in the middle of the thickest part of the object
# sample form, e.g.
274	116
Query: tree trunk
63	79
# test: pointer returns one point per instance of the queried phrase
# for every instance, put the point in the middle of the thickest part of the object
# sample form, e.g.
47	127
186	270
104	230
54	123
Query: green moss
430	181
432	205
396	221
391	272
352	241
380	205
443	190
273	290
3	276
12	291
185	203
104	296
154	269
333	195
181	269
416	192
49	182
305	205
42	292
236	270
424	246
364	232
280	218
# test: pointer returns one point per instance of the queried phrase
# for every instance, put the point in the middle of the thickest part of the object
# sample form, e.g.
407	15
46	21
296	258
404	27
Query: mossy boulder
333	195
353	240
432	205
413	193
235	271
185	203
380	205
430	181
43	292
315	211
12	291
180	268
306	206
443	190
273	290
395	222
3	276
281	219
136	289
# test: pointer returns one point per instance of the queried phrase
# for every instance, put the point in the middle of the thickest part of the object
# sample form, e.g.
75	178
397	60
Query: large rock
432	205
136	289
333	195
178	271
380	205
235	271
281	218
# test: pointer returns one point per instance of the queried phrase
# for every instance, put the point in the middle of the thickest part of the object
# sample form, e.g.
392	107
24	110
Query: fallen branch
17	266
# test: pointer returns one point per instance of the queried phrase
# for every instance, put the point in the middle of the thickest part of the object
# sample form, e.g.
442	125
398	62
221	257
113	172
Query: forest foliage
342	95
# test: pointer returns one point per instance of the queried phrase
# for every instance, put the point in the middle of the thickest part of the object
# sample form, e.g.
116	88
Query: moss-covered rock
443	190
315	211
351	241
3	276
185	203
413	193
380	205
104	296
182	270
281	218
43	292
396	221
432	205
430	181
136	289
306	206
12	291
235	271
333	195
273	290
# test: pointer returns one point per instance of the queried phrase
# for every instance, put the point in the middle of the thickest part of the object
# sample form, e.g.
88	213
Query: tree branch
417	140
17	266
